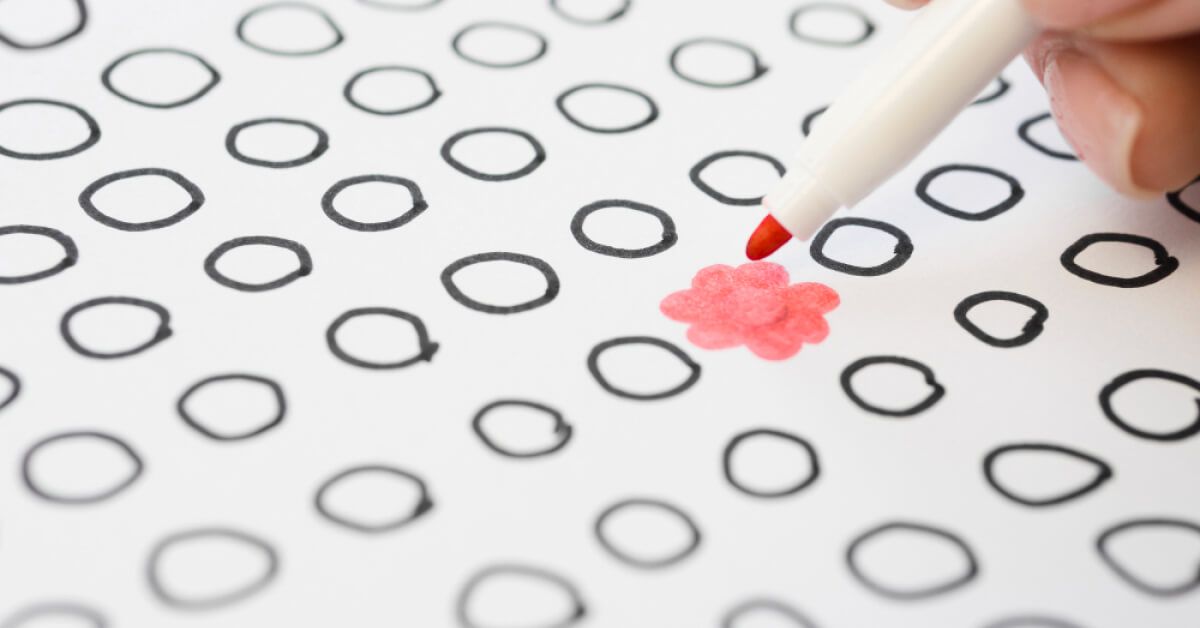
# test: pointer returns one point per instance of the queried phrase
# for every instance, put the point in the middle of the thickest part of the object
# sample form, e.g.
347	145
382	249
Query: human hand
1124	84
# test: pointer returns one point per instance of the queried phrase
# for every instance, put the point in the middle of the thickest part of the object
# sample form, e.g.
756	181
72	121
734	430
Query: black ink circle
276	391
1130	578
456	44
348	91
611	17
1003	88
1031	330
1016	192
32	485
81	9
806	124
1037	621
31	615
651	115
214	77
170	599
903	250
803	483
697	172
319	149
758	68
92	126
538	157
732	618
668	240
552	283
926	403
634	561
425	353
338	37
1110	413
160	334
1164	263
423	506
1025	133
418	203
304	263
1176	200
14	385
1103	473
89	208
70	253
593	364
578	611
867	30
910	594
559	428
383	4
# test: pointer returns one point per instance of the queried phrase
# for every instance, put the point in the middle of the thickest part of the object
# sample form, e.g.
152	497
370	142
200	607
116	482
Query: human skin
1124	83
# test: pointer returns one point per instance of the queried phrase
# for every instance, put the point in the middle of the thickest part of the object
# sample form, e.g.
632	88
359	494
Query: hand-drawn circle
693	543
1164	263
338	36
651	114
1002	87
865	579
1129	577
935	394
423	506
348	90
456	44
92	126
1029	331
1016	192
418	203
426	348
80	24
758	69
593	364
539	154
199	426
463	604
732	619
561	430
800	484
1124	379
1104	472
868	27
1025	132
613	16
89	207
456	293
806	125
49	495
903	250
32	615
304	263
1031	621
214	77
177	600
14	387
70	252
697	175
1176	200
402	6
161	333
318	149
668	240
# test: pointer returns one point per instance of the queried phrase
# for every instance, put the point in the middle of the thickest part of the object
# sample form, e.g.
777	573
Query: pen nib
767	238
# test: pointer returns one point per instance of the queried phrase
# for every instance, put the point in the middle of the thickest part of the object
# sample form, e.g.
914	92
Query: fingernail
1070	14
1098	118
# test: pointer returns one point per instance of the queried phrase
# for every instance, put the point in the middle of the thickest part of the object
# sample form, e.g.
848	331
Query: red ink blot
752	305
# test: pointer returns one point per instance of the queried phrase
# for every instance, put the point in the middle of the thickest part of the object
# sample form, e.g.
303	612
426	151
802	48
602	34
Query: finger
1127	108
1119	19
908	4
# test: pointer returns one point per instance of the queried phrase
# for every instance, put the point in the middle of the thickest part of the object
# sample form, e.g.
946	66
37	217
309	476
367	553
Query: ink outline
970	574
902	252
1164	262
192	422
426	348
161	333
303	269
240	29
593	364
70	254
559	428
731	448
697	172
27	478
937	390
93	128
669	234
424	503
1029	331
1015	195
1128	377
539	154
191	189
1104	472
214	77
640	563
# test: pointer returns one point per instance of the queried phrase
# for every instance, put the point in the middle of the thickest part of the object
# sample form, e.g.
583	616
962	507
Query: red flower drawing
752	305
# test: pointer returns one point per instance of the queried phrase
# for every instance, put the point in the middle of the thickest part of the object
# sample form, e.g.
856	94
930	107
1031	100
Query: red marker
953	49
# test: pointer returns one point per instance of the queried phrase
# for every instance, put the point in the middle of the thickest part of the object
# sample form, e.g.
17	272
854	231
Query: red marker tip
767	238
